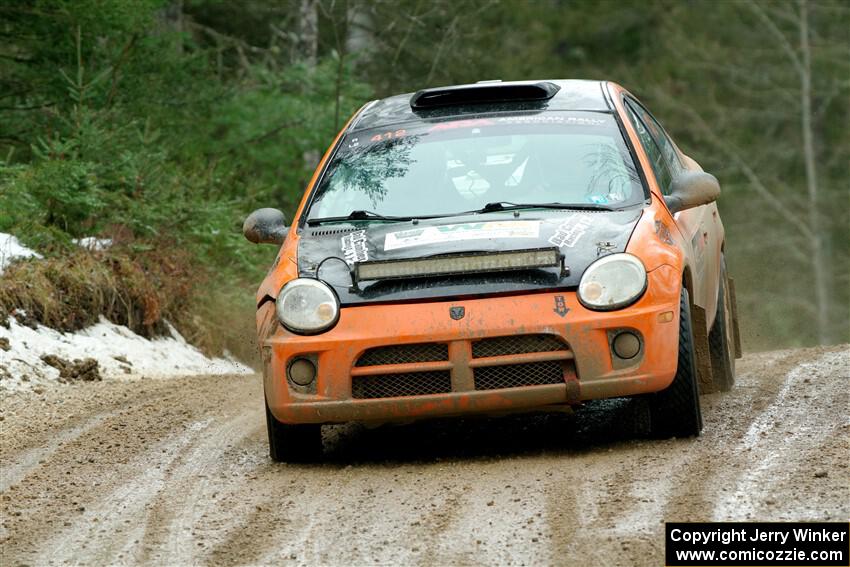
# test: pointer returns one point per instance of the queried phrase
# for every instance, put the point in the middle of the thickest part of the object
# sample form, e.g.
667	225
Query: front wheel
293	443
675	411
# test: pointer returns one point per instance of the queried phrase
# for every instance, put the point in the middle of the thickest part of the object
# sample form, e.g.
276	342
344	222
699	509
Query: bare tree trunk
171	20
818	260
357	38
341	37
308	51
308	31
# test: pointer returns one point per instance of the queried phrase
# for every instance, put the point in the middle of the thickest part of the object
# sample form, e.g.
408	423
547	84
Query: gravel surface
176	472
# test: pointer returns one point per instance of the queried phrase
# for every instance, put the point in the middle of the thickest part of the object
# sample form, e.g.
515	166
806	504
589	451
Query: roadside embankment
96	312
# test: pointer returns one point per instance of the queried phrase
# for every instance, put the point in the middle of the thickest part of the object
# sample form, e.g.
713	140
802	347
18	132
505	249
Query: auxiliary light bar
465	263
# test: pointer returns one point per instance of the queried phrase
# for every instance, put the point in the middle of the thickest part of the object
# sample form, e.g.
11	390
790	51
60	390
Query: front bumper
590	370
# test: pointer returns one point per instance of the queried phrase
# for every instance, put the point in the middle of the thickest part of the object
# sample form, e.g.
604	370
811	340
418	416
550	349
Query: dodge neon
490	248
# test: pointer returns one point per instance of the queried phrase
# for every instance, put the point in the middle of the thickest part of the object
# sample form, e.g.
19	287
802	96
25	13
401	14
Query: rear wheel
721	339
293	443
675	411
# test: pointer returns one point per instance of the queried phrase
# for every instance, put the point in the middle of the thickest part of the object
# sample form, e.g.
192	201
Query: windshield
445	168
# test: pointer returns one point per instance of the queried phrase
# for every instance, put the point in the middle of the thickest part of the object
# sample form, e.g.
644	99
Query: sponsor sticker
552	119
469	123
464	231
571	230
354	247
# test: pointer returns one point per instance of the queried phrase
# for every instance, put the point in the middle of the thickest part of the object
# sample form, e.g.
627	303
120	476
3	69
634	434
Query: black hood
582	237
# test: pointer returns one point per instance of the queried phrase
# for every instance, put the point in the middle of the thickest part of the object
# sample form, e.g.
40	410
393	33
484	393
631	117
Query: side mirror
265	226
692	189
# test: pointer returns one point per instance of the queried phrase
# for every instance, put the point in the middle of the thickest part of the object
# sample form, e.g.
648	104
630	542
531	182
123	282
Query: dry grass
139	290
71	291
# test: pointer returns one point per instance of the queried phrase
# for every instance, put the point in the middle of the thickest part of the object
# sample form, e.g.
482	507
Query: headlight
307	306
612	282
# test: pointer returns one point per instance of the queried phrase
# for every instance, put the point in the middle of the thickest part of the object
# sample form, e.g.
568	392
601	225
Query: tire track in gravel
695	486
105	529
624	505
782	436
26	462
188	492
101	474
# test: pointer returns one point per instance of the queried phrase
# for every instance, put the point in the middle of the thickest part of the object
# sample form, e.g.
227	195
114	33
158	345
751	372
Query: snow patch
11	249
119	352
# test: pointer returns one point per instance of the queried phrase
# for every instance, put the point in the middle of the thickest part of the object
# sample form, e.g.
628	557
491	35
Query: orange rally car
495	247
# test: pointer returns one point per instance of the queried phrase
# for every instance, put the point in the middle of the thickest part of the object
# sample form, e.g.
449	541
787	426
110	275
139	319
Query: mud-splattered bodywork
458	344
581	236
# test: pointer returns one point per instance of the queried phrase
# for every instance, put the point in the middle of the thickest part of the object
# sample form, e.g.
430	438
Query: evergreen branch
260	137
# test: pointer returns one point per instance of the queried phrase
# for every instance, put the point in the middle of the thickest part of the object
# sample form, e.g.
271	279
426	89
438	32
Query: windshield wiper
509	206
488	208
358	215
372	216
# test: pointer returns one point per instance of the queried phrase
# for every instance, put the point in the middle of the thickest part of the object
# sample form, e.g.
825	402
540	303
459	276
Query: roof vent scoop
481	93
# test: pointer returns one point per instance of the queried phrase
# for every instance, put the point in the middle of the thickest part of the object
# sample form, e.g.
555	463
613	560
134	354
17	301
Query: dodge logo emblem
457	313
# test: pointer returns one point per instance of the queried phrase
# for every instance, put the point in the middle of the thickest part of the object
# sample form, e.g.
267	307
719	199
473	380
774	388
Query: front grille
517	375
401	385
404	354
517	344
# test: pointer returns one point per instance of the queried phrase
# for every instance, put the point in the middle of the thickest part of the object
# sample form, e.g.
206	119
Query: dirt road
176	472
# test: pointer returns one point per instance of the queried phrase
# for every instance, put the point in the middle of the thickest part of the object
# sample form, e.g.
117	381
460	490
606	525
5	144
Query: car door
697	224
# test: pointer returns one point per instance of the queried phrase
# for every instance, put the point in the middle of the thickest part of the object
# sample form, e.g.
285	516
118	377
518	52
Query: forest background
160	124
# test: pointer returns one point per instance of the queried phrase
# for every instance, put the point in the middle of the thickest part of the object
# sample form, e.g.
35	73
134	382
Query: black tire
675	411
293	443
721	339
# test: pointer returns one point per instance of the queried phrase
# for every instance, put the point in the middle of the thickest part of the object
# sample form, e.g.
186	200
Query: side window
659	165
668	150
